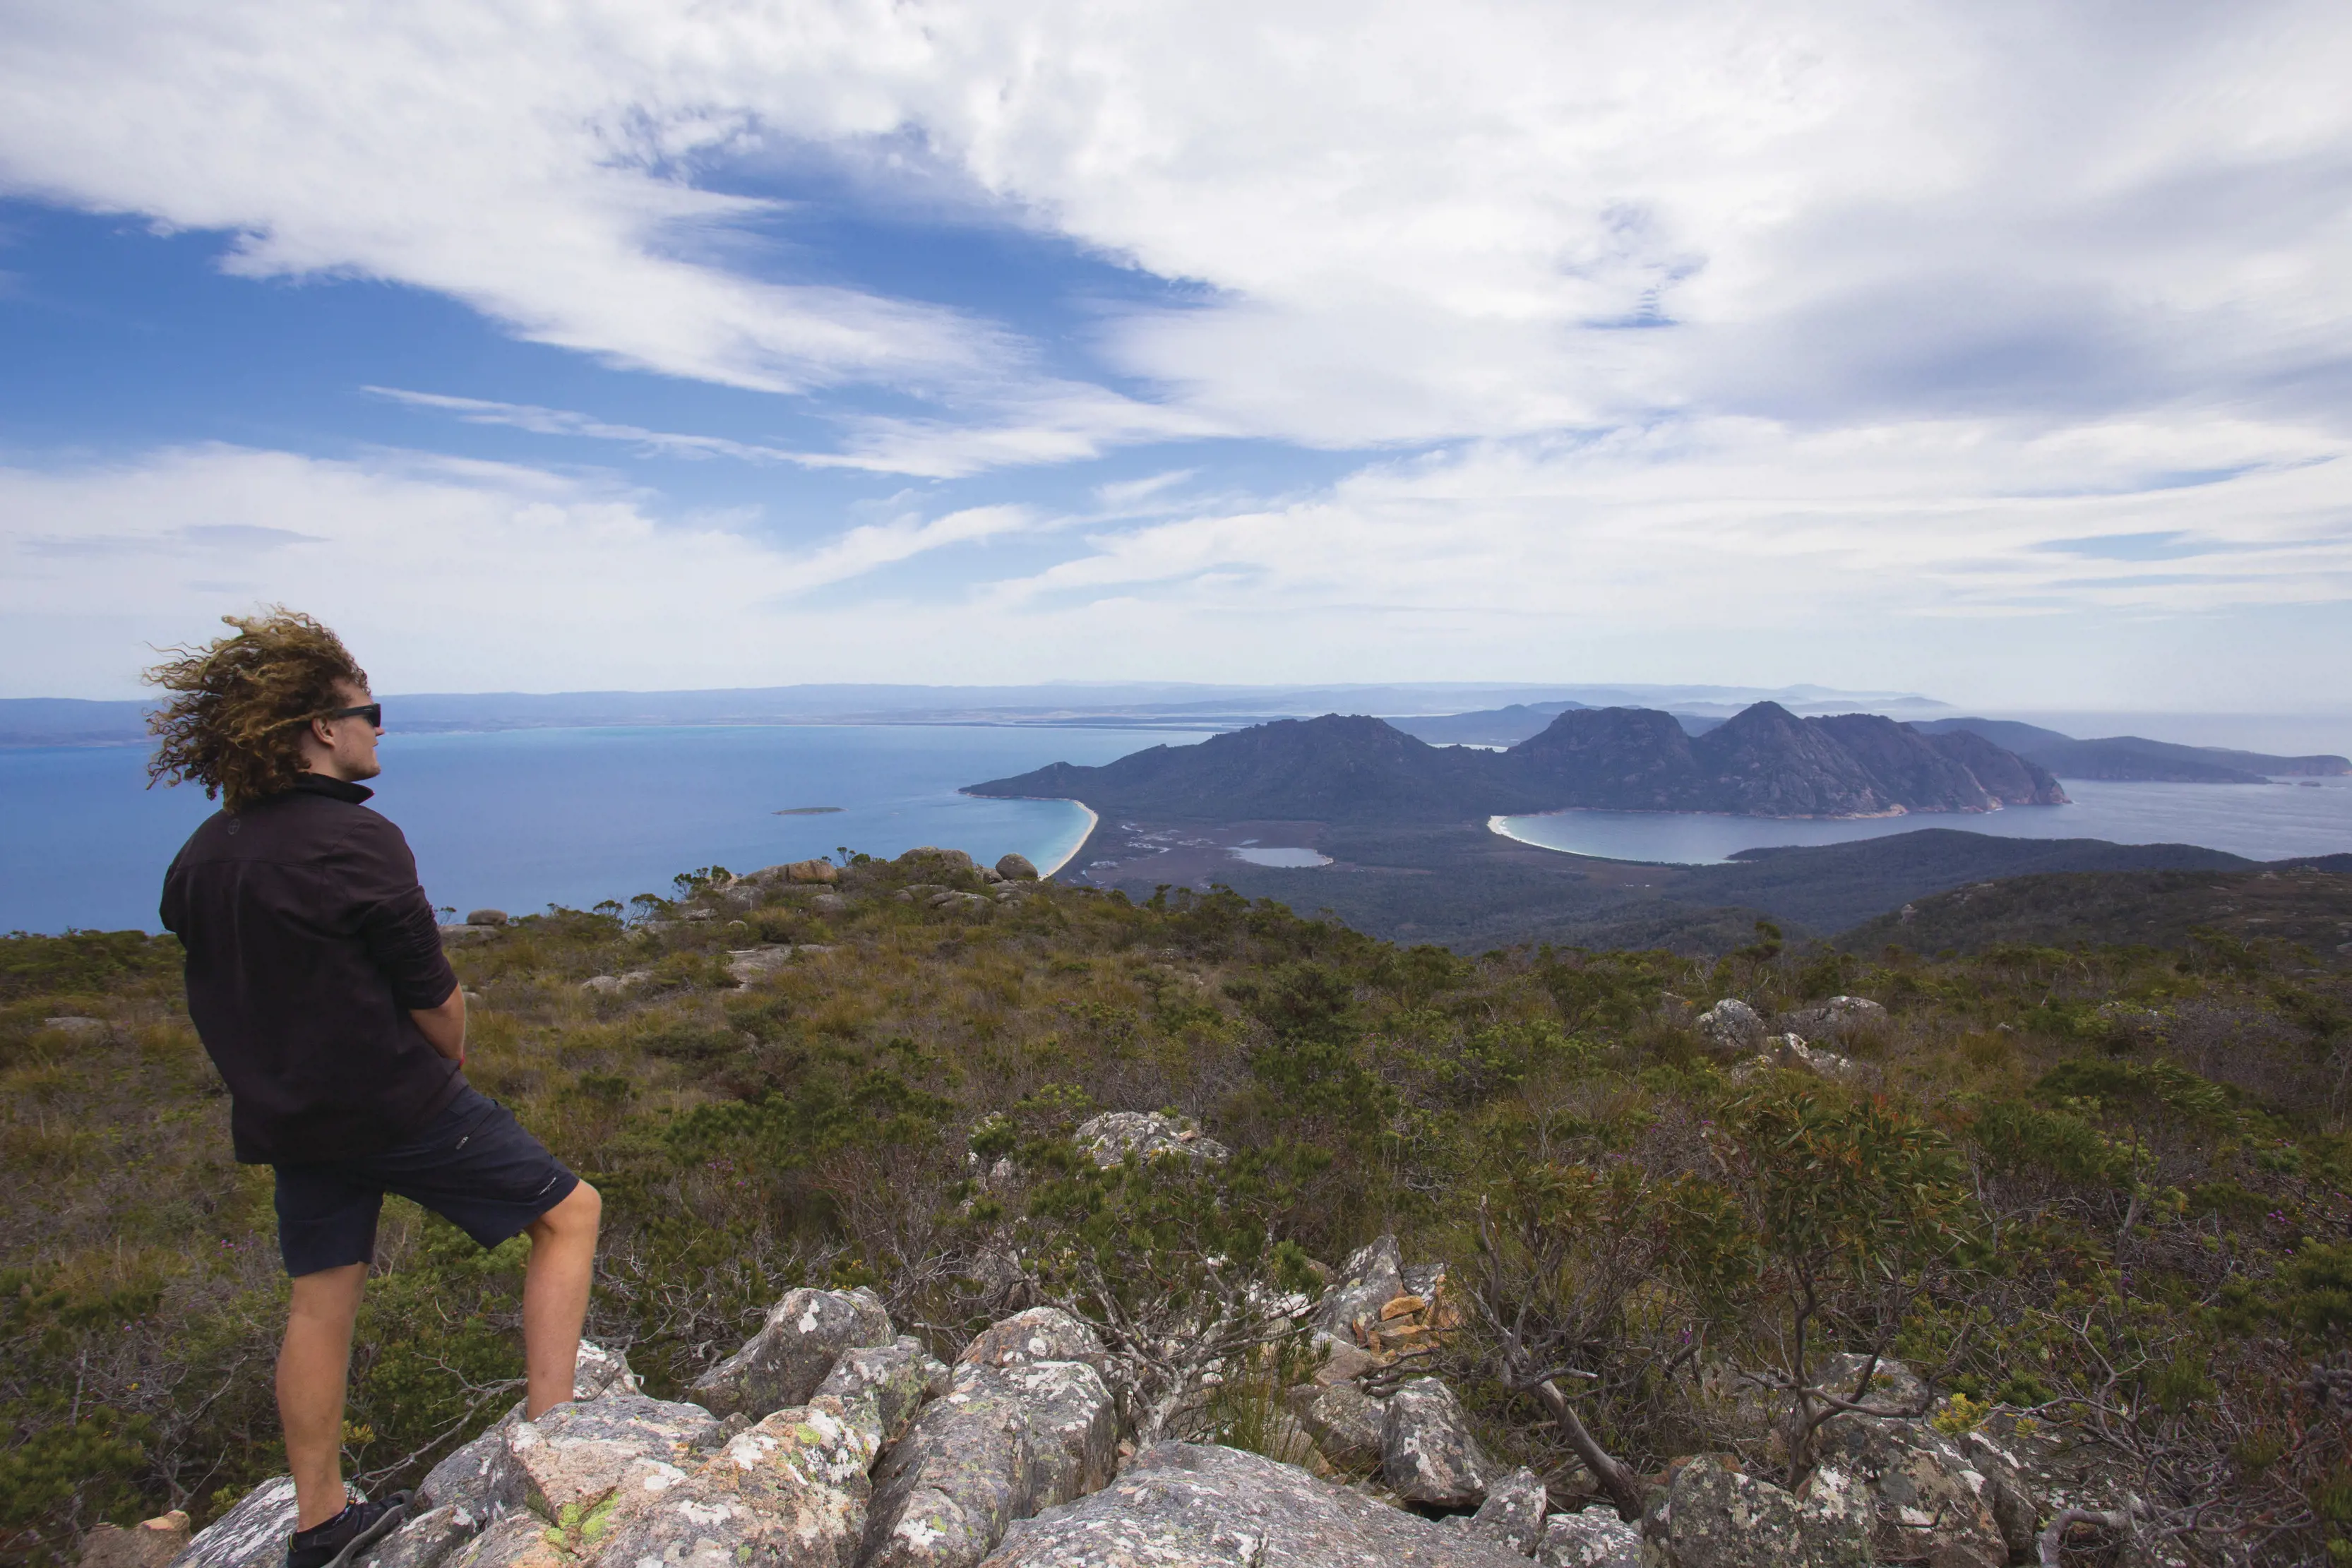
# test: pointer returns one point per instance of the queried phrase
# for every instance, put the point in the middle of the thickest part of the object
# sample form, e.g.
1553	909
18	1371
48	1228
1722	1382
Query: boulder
1715	1517
1838	1019
1373	1278
793	1351
1342	1360
789	1492
2015	1506
1788	1052
1596	1538
1041	1333
1004	1443
1513	1514
151	1543
1198	1505
1427	1454
1342	1421
465	935
425	1539
486	917
1016	868
829	904
1732	1025
610	985
1927	1498
894	1379
1110	1137
516	1540
931	857
745	964
469	1478
250	1535
815	871
575	1456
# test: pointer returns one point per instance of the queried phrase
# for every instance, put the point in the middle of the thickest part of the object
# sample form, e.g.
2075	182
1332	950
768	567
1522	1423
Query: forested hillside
2099	1199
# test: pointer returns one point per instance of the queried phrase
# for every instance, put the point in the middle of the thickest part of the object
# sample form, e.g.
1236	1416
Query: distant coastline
1094	820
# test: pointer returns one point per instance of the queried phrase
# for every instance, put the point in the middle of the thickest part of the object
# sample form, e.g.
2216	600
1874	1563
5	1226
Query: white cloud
1762	334
1965	558
1418	220
461	576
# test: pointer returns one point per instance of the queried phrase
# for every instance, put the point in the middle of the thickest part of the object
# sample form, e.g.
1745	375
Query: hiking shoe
339	1543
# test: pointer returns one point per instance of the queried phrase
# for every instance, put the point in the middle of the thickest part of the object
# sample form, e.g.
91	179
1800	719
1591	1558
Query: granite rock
1004	1442
1596	1538
1513	1514
1041	1333
1197	1505
1110	1137
1427	1453
894	1379
1342	1421
1373	1278
793	1351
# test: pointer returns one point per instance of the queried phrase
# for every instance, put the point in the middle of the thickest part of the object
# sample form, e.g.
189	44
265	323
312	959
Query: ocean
2260	821
517	819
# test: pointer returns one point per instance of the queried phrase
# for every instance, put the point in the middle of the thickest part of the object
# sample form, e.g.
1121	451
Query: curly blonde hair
235	726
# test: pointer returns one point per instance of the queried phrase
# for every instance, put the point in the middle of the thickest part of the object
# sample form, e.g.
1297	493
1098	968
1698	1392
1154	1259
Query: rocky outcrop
1732	1025
1596	1538
792	1353
1016	868
789	1491
1840	1020
250	1535
1929	1499
1374	1277
1007	1441
1513	1514
1185	1505
575	1456
1713	1516
1343	1422
151	1543
1427	1452
894	1379
1789	1053
1041	1333
1110	1137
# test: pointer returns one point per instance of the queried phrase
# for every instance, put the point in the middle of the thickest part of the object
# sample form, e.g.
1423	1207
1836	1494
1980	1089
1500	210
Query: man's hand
445	1026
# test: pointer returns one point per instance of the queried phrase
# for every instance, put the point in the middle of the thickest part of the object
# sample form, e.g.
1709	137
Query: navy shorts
473	1164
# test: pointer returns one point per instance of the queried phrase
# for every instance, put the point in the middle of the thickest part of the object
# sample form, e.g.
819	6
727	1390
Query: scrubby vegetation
2108	1191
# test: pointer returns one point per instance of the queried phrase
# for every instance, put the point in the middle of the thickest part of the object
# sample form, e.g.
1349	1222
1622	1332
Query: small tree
1174	1259
1563	1251
1858	1208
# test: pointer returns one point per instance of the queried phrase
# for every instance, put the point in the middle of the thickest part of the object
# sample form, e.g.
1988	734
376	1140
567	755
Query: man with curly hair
316	979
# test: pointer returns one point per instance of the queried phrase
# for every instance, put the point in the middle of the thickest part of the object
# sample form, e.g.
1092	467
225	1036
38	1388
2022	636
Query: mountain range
1763	761
2138	758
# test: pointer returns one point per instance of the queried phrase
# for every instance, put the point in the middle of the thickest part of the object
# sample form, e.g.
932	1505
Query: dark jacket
308	940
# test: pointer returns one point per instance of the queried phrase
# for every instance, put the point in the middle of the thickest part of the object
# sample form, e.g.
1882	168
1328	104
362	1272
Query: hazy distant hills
2136	758
1763	761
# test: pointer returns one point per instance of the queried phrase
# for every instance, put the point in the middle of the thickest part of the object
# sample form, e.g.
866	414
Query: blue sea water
517	819
2260	821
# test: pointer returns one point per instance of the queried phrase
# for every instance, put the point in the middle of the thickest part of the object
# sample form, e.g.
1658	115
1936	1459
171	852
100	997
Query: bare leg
312	1366
555	1295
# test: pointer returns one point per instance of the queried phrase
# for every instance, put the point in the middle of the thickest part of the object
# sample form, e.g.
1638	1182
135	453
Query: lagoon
517	820
2260	821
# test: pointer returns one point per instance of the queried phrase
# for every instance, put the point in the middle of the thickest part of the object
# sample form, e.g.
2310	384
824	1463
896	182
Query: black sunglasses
371	712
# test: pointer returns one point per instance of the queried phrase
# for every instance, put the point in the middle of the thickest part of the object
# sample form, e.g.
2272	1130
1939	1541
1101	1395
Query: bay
2260	821
517	820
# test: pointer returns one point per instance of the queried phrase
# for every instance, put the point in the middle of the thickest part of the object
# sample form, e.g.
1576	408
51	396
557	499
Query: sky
1999	351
